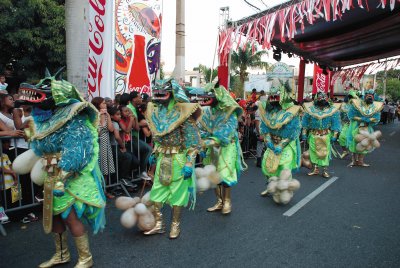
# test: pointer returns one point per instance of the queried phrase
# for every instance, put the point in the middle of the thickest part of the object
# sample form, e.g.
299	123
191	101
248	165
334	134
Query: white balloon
200	172
282	185
146	199
203	184
285	174
140	209
24	162
285	197
37	173
128	218
146	222
124	202
209	169
272	186
294	185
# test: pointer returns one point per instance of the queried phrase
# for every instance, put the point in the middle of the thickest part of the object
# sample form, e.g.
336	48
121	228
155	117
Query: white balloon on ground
141	209
124	202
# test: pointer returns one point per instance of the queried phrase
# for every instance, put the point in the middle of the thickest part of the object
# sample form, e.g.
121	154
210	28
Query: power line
253	6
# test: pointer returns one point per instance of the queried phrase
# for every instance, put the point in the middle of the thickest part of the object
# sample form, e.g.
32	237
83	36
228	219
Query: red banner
320	80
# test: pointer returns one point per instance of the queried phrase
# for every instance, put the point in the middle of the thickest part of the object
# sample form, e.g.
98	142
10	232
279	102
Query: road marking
391	134
309	197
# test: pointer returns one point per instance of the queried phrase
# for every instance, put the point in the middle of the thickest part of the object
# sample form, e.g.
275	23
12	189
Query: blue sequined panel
353	112
225	130
330	122
289	131
164	118
74	141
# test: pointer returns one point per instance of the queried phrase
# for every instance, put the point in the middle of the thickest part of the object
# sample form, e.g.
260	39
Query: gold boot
314	172
176	220
227	205
325	173
85	259
159	227
62	254
218	205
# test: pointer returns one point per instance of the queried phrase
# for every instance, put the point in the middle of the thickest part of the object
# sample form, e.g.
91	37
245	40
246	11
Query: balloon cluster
207	177
282	187
305	159
367	141
136	211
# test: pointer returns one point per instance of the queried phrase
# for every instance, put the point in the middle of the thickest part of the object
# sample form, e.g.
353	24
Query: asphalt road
355	222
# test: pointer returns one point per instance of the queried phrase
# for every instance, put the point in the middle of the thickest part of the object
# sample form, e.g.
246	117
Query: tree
208	73
243	59
33	36
392	88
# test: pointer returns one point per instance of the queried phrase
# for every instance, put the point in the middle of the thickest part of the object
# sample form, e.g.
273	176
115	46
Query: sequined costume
280	128
322	123
177	140
66	140
218	128
364	114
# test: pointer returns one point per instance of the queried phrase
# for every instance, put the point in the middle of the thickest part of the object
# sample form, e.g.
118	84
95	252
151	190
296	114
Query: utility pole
179	71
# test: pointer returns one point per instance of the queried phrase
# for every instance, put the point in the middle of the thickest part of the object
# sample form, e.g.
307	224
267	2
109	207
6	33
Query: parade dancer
280	127
322	123
218	128
364	114
65	146
172	121
344	110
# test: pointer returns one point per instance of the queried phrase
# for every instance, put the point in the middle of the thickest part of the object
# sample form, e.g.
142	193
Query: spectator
105	126
253	95
3	84
385	112
141	149
263	96
109	102
127	161
8	179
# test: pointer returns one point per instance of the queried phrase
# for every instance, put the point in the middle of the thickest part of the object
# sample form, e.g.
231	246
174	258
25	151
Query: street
353	222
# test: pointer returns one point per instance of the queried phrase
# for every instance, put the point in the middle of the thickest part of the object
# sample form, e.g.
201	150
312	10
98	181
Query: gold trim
185	111
73	112
307	108
358	104
294	110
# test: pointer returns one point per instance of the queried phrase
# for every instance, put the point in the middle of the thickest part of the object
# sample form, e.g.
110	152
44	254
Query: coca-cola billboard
100	61
320	80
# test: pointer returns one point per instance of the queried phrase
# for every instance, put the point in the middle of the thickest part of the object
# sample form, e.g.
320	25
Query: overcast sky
202	19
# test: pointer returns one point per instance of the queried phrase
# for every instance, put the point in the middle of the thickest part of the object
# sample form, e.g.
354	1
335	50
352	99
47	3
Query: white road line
309	197
391	134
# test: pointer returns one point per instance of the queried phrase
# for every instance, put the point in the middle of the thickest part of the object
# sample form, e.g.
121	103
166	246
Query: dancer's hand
277	150
187	171
203	154
152	159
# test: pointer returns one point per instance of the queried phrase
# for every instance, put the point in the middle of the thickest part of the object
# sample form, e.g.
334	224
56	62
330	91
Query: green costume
344	109
363	116
177	140
322	124
281	131
65	137
218	128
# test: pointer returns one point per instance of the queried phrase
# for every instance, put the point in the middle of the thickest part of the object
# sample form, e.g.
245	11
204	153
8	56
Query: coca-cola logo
96	45
320	82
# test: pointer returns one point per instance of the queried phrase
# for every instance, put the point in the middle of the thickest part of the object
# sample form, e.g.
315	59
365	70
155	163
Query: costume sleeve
225	132
263	128
353	113
292	130
336	124
77	143
191	135
377	118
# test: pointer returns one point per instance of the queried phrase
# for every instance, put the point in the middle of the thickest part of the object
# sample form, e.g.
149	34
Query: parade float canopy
332	33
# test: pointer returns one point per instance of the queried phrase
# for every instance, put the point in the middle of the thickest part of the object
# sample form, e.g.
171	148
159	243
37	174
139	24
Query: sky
202	19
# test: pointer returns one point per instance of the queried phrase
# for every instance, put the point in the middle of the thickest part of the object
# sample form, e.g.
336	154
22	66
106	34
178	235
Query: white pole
179	72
